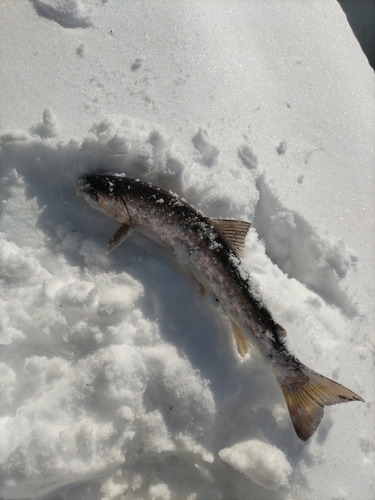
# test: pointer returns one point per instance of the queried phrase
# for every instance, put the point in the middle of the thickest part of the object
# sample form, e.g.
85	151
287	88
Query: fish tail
306	393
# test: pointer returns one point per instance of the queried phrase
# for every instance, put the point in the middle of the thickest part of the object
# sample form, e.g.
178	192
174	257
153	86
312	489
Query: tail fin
306	393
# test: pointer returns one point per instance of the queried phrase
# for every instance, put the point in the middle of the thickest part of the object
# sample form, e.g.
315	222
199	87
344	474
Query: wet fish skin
210	250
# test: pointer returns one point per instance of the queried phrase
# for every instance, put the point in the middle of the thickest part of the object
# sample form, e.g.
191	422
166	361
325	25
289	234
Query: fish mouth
85	186
82	182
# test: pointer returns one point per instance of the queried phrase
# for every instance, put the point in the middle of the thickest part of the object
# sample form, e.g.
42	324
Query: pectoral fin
120	235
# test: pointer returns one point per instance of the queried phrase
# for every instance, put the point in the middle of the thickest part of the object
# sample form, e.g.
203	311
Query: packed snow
119	379
266	465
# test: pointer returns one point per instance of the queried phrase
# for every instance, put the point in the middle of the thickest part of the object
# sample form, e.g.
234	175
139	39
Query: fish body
210	249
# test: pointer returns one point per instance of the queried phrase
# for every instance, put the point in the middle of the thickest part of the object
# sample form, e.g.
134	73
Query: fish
210	249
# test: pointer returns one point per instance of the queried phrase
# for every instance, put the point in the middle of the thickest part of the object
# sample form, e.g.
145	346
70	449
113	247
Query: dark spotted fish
210	249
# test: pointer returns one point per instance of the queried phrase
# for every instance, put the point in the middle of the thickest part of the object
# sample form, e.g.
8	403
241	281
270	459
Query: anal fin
120	235
243	344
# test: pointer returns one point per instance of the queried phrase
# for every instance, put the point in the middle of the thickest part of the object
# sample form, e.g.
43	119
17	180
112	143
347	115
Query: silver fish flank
210	249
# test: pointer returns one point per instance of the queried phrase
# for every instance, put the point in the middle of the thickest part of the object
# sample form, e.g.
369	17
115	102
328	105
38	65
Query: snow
118	378
265	465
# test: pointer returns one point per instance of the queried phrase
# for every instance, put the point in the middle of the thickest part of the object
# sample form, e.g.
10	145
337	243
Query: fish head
106	194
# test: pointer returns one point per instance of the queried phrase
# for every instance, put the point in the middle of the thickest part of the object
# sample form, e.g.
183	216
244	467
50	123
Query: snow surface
118	379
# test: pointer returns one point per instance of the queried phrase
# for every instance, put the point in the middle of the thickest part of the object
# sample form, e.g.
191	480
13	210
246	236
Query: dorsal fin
233	233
